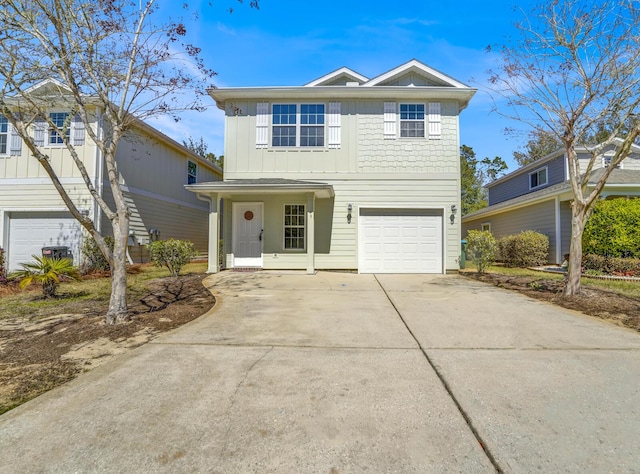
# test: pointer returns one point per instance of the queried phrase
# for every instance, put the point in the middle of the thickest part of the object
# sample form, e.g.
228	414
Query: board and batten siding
336	239
363	148
519	184
537	217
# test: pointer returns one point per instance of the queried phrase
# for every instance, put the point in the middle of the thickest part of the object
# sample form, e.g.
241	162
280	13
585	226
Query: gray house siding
538	217
519	184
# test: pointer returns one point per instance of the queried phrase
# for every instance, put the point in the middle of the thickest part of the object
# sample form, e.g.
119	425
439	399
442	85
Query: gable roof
349	75
433	85
432	75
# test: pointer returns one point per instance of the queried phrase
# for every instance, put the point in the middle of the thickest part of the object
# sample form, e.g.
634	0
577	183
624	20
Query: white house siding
632	162
538	217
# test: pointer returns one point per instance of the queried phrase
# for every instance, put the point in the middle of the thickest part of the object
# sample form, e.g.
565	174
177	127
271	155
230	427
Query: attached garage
30	231
400	241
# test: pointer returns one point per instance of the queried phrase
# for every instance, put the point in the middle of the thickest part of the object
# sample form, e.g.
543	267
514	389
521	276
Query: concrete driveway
337	373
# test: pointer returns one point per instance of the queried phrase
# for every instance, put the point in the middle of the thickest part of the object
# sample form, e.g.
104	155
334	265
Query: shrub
611	265
613	229
93	259
172	253
3	270
481	248
526	249
47	271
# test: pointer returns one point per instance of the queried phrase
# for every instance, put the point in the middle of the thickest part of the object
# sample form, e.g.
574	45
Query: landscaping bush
481	248
172	253
611	265
47	271
526	249
3	270
93	259
613	230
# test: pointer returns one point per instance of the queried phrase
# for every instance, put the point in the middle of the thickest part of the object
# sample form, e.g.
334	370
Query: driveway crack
446	386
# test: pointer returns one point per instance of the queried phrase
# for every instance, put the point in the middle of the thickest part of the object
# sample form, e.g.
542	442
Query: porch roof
262	186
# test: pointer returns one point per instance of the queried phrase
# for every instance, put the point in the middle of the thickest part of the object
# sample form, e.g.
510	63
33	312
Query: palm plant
46	271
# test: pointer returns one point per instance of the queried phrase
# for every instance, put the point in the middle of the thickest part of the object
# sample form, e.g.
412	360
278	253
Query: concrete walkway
340	373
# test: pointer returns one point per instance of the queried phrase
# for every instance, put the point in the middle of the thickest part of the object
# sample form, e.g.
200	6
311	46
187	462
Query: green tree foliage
46	271
613	230
3	270
540	144
526	249
200	148
173	254
481	249
570	67
474	175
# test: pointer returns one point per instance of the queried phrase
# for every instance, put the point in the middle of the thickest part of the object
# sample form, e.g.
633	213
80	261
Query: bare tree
573	67
112	64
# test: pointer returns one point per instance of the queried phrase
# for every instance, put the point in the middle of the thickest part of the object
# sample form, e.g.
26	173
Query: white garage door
30	231
400	241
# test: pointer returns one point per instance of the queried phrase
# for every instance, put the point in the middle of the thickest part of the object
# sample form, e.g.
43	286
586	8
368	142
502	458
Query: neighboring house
153	169
345	172
538	197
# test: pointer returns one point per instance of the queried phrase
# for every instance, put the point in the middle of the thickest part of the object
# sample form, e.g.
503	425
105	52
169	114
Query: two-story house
538	197
153	171
345	172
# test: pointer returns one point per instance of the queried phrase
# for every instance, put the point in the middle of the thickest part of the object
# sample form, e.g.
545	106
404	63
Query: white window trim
298	126
546	169
8	139
487	225
606	165
195	176
425	123
49	129
284	238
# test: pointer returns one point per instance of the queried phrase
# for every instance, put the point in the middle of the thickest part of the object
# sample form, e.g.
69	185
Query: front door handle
261	231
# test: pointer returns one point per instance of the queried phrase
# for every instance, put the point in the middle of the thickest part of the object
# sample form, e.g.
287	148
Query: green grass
80	296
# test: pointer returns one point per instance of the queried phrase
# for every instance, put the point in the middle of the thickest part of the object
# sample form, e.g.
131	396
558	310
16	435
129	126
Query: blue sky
292	42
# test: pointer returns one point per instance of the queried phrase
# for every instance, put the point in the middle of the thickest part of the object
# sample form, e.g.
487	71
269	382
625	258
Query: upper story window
538	178
192	172
58	119
297	125
606	162
4	135
412	120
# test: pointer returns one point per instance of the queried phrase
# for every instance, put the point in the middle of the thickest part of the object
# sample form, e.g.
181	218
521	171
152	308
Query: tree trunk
118	311
574	286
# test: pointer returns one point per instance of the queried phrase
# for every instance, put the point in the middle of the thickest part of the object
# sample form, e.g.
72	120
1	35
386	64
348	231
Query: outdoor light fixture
454	210
349	209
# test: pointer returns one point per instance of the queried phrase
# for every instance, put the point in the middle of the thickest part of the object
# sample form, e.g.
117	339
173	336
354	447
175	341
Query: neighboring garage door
400	241
30	231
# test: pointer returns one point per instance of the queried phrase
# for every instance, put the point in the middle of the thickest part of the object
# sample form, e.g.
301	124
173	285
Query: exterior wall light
349	209
454	210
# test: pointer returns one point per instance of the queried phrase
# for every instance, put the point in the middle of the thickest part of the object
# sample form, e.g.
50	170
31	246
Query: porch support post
214	233
311	248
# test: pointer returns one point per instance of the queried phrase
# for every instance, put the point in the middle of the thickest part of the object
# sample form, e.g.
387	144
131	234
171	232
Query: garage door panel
401	241
30	231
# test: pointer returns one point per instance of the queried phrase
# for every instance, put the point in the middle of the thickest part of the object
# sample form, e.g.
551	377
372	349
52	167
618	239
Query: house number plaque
248	215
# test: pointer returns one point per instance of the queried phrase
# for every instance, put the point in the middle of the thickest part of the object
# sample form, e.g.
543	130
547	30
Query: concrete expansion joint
446	386
536	349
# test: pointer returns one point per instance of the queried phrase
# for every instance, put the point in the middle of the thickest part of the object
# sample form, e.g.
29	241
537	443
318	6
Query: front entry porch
264	223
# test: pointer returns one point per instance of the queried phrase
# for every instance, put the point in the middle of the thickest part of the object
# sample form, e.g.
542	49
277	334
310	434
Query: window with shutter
334	121
262	125
4	135
298	125
435	128
39	131
389	120
412	120
78	130
58	119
